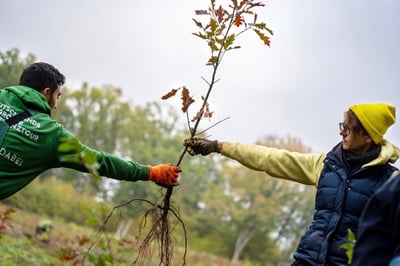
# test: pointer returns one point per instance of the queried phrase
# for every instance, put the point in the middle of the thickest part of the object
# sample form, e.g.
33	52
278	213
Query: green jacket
30	146
299	167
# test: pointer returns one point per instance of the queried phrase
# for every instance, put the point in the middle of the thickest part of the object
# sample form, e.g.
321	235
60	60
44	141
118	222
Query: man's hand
201	146
165	175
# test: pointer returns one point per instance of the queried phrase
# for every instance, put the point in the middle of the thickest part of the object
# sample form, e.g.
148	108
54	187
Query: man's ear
46	92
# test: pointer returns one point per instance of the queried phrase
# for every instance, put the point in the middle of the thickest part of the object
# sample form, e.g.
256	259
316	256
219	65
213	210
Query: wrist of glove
201	146
164	175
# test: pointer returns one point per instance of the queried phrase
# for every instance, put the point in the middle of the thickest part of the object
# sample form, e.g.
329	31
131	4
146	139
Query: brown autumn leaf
256	4
187	100
219	13
169	94
208	114
198	115
203	113
201	12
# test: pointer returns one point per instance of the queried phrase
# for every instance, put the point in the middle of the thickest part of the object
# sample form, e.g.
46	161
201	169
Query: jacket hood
30	98
389	153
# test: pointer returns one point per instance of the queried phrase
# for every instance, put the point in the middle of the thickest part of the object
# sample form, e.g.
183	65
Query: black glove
201	146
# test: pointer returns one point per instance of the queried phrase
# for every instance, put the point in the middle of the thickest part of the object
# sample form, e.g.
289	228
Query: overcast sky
325	56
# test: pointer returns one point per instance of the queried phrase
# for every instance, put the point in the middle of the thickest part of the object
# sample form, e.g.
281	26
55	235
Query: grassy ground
19	245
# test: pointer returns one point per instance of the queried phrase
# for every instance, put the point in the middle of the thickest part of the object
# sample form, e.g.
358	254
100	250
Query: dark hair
355	124
41	75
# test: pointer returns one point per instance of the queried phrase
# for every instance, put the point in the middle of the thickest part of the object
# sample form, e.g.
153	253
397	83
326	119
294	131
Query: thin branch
204	130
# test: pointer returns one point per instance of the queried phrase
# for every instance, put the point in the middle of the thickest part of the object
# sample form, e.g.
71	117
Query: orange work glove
164	174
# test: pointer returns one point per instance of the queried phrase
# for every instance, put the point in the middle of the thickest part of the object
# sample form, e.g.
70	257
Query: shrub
55	198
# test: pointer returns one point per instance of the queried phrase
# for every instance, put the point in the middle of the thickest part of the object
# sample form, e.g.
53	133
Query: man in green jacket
345	177
29	138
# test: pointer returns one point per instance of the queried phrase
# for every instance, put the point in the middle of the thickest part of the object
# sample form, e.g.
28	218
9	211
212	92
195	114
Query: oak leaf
201	12
219	13
208	114
198	115
263	37
187	100
169	94
238	21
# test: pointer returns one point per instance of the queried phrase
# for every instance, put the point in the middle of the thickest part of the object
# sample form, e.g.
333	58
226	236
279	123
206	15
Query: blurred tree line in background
227	209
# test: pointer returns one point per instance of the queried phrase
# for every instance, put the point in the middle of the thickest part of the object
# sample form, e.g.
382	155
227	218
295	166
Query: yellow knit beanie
376	118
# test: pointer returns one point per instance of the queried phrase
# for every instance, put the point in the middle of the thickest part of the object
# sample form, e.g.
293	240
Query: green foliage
95	115
23	251
349	246
81	252
12	65
55	198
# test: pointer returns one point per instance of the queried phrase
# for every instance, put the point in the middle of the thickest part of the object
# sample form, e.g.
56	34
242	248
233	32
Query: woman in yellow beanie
345	177
375	118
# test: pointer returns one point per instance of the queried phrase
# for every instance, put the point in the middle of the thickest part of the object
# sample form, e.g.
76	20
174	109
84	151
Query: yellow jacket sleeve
278	163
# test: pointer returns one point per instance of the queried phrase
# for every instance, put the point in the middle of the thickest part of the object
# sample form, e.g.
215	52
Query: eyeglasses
344	128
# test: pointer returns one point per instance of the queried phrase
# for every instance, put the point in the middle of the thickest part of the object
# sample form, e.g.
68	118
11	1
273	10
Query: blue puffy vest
339	202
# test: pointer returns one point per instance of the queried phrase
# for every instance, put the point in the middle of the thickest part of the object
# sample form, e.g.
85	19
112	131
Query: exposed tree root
159	234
